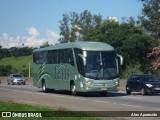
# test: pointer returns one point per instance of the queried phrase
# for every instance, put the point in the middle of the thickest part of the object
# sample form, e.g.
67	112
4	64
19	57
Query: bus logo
61	72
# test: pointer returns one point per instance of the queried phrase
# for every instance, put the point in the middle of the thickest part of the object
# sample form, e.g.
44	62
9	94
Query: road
118	101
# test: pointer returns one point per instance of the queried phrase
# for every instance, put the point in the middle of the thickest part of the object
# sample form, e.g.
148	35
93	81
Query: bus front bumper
98	89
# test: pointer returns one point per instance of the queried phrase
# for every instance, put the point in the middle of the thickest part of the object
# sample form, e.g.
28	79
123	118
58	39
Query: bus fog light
88	83
81	84
117	83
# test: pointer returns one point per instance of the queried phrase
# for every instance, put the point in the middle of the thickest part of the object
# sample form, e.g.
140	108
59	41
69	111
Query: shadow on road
110	94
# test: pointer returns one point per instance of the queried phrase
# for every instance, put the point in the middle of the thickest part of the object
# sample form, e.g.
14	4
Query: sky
33	22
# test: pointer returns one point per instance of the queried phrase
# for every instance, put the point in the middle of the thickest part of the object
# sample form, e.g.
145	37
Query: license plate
103	88
157	88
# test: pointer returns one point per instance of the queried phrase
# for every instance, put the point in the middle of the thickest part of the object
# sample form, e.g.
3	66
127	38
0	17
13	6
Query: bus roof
93	46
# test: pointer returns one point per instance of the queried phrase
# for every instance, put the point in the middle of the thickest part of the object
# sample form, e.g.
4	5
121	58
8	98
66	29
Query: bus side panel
63	74
51	83
36	75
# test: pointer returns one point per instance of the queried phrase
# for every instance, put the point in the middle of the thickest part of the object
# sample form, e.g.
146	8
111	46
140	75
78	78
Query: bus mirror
121	59
83	59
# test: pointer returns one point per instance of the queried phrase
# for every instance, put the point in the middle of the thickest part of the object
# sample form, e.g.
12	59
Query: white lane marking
156	109
133	97
101	101
79	98
132	105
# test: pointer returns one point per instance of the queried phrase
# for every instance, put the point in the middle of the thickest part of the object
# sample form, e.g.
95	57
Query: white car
15	79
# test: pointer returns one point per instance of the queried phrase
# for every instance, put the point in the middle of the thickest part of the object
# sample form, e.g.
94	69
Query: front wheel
73	89
24	83
143	91
44	87
128	91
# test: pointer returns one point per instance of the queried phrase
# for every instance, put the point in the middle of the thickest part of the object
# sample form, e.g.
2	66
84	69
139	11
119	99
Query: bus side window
70	57
34	58
79	61
60	56
52	57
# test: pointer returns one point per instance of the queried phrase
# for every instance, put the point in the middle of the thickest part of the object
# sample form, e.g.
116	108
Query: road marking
132	105
133	97
101	101
118	104
156	109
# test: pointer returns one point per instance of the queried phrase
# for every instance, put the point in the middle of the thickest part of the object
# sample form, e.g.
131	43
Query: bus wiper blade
110	76
97	78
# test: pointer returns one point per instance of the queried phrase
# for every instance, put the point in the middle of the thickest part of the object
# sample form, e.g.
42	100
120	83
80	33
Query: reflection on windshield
101	65
151	79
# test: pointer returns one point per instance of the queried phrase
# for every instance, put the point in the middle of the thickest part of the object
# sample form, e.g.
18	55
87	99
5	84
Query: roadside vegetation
49	113
15	65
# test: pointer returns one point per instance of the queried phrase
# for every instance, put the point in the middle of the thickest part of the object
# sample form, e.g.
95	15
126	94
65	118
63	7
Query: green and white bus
77	67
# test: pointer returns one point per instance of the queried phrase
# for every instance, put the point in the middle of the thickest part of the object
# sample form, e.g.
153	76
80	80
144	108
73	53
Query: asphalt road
118	101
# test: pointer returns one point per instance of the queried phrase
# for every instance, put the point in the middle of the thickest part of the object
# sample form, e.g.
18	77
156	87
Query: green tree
46	44
128	39
78	26
64	29
150	18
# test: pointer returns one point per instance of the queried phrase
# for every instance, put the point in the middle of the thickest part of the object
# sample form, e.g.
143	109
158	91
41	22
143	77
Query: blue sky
35	21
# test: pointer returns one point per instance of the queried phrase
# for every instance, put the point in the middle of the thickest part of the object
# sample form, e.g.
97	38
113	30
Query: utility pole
29	71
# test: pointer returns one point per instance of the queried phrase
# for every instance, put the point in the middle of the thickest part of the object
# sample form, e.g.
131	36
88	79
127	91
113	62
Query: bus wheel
73	89
44	86
103	94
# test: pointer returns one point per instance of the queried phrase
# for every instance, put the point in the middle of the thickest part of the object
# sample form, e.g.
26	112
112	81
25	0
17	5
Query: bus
77	67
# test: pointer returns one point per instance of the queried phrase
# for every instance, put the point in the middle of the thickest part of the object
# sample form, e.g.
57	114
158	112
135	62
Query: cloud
33	40
33	31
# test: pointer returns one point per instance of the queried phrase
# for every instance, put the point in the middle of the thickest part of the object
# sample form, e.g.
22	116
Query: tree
128	39
78	26
0	46
64	29
150	18
156	54
46	44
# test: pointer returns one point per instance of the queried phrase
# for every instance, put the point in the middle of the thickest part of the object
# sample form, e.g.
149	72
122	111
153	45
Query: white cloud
33	31
33	40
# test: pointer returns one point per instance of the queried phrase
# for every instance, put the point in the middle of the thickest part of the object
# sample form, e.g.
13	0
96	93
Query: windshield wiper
97	78
110	76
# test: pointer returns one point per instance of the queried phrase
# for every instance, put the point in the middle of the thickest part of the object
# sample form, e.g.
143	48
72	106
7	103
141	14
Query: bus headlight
88	82
117	82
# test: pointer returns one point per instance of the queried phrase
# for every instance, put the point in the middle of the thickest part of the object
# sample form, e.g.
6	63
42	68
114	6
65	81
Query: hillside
18	63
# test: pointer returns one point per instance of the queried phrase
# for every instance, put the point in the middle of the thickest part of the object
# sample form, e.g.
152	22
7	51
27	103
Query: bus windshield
101	65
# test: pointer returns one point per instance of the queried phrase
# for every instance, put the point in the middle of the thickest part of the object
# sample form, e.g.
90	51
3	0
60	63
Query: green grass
18	62
51	114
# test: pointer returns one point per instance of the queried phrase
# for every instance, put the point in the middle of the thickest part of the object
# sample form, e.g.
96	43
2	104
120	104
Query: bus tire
44	89
73	89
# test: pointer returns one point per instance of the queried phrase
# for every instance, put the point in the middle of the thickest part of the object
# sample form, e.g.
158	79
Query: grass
51	114
17	62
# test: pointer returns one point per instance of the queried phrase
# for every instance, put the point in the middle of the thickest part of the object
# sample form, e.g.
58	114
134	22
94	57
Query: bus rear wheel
44	86
73	89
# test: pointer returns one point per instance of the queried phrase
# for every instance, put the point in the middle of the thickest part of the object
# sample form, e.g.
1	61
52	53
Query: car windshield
101	65
17	75
151	78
